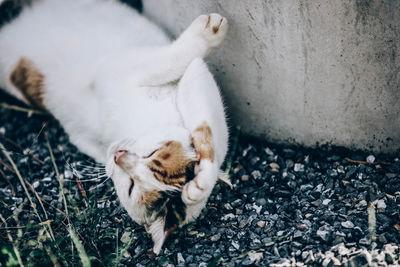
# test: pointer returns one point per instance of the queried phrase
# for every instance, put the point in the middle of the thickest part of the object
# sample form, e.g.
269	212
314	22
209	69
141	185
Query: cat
146	107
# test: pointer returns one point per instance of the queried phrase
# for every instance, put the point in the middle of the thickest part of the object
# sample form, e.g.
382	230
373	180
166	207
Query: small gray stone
382	239
17	200
68	174
261	224
228	216
319	188
364	241
228	206
235	244
358	260
317	202
304	255
245	178
238	211
268	151
347	224
261	201
180	258
381	205
36	184
289	163
326	202
371	159
256	174
274	167
255	256
306	187
243	223
126	237
47	179
323	234
297	234
391	175
247	261
361	204
298	167
216	237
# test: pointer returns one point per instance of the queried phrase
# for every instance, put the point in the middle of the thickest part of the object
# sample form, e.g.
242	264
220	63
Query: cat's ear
159	233
168	212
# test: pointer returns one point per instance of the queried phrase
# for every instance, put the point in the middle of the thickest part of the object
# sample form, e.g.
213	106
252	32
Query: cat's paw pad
212	28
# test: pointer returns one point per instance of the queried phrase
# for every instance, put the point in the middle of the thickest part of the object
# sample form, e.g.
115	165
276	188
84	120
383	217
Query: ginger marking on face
203	142
157	163
149	197
169	164
29	81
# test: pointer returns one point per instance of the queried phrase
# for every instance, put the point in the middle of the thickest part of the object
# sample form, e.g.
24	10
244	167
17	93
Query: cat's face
149	178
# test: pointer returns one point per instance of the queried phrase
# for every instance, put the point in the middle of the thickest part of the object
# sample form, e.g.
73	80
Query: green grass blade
81	250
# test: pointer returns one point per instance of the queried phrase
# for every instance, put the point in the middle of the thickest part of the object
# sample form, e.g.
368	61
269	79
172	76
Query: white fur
113	79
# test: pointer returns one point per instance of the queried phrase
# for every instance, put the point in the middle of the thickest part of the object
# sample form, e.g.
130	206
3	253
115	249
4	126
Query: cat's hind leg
199	101
151	66
201	108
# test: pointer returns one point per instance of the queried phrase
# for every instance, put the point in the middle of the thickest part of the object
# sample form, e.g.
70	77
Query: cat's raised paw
200	187
212	27
193	192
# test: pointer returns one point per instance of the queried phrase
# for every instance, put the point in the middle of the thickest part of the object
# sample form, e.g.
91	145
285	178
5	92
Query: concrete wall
305	72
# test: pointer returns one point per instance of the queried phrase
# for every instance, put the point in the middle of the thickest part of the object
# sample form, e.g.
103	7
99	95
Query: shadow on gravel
289	206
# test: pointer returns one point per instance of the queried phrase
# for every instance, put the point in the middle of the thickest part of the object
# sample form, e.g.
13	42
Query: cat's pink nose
119	155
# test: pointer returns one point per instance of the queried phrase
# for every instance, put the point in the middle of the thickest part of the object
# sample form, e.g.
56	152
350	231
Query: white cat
128	97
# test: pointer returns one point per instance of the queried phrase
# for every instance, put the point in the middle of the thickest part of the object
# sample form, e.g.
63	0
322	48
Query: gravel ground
288	206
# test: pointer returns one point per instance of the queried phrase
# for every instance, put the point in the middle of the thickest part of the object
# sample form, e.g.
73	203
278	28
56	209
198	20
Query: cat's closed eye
151	154
131	186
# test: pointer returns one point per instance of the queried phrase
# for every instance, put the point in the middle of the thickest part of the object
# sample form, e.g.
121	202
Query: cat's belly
140	111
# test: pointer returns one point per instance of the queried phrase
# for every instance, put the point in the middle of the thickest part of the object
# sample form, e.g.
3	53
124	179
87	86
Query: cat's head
149	177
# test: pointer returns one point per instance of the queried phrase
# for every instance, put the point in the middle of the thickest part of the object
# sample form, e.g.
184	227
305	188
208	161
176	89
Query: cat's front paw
200	187
212	28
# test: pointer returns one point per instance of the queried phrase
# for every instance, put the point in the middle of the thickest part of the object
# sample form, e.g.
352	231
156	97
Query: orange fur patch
149	197
169	164
203	142
29	81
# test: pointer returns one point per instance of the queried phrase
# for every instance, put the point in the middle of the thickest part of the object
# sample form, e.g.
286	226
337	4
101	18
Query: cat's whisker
90	167
97	186
96	179
96	174
93	174
101	176
74	171
71	167
87	175
93	162
84	177
76	167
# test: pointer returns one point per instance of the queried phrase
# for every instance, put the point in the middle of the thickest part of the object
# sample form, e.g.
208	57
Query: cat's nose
119	155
